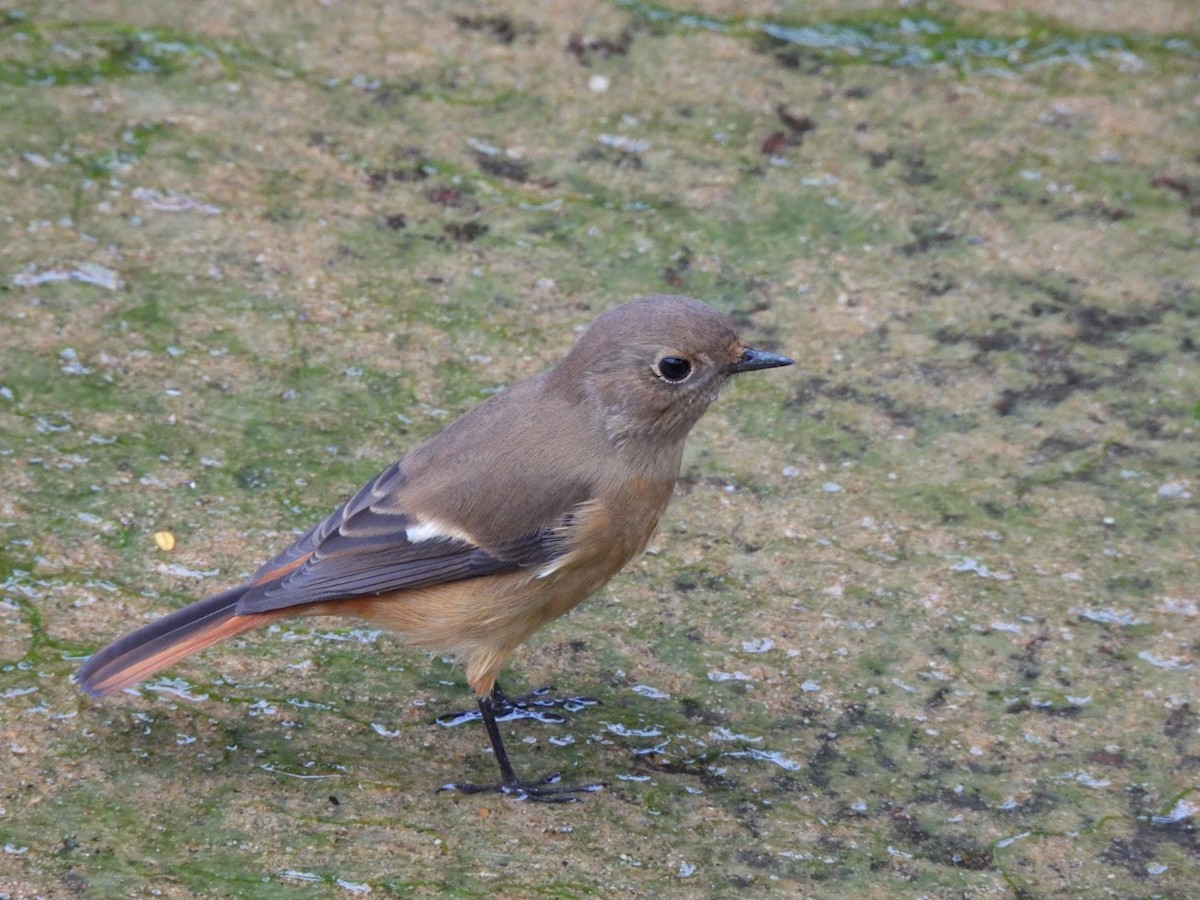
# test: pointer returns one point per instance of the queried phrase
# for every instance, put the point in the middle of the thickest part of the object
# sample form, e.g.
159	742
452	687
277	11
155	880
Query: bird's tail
165	641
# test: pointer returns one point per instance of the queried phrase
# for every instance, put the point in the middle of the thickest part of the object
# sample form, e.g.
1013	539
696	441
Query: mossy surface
922	619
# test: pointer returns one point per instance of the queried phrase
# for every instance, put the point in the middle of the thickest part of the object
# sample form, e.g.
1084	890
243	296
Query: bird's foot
547	790
538	705
497	707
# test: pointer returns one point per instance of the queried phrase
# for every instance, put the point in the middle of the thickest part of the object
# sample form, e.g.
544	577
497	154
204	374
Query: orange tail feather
165	641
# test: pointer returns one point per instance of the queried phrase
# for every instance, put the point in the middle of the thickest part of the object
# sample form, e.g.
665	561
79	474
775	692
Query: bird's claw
546	790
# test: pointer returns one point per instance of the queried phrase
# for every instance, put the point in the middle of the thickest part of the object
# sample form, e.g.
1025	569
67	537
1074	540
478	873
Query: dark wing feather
362	550
383	484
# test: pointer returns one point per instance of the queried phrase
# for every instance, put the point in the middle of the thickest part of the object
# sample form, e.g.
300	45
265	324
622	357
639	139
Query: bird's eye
673	369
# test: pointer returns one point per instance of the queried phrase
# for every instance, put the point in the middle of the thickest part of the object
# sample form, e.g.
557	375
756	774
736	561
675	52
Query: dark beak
757	359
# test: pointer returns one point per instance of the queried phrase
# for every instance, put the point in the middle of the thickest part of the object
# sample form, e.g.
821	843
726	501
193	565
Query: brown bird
505	520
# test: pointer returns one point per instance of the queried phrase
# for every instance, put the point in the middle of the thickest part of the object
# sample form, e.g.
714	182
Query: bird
500	523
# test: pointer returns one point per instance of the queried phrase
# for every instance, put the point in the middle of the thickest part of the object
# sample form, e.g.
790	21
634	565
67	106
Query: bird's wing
371	545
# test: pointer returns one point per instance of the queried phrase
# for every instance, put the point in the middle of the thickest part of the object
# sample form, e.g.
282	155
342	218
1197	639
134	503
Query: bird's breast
607	532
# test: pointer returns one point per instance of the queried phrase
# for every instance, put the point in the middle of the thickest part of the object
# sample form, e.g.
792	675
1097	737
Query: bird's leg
546	790
537	705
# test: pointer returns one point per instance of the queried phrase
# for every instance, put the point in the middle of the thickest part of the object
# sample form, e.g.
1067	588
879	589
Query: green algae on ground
64	53
918	36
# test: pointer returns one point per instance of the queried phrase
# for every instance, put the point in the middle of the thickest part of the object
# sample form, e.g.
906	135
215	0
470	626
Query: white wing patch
553	566
433	530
